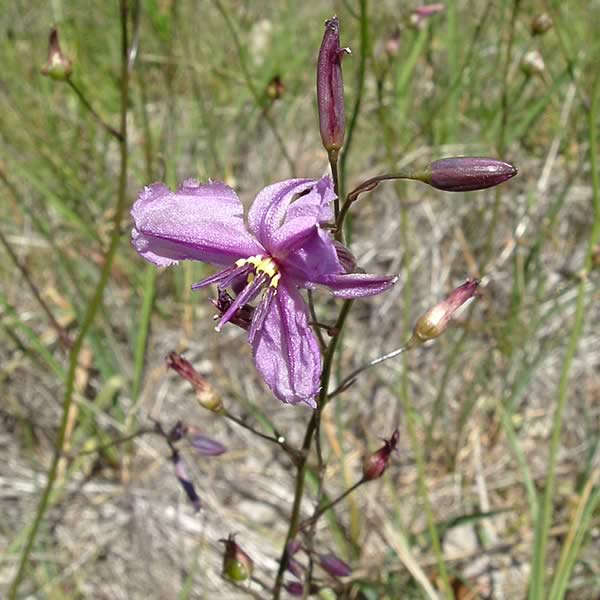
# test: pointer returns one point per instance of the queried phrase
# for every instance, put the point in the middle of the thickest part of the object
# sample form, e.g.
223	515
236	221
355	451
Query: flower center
262	265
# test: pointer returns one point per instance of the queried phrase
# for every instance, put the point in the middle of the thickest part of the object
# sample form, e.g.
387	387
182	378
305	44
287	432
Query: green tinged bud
58	66
237	565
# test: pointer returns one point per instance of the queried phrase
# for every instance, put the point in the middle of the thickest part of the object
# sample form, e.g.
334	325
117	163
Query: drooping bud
435	321
541	23
207	446
275	88
375	464
296	589
345	256
58	66
295	568
242	318
532	64
465	173
420	14
237	565
335	566
185	481
330	88
206	395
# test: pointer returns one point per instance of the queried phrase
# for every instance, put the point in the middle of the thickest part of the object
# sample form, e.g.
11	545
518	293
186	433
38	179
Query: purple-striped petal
268	210
199	221
286	351
357	285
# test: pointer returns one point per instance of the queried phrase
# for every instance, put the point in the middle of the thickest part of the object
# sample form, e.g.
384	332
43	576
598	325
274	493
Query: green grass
515	382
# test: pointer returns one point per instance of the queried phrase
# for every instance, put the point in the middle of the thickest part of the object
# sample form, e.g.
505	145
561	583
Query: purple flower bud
435	321
207	446
293	546
541	23
185	481
375	464
205	393
295	568
330	88
466	173
295	588
335	566
422	13
237	565
58	66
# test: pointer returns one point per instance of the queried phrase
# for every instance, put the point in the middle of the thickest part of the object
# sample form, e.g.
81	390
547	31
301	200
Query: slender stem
317	325
275	439
368	186
90	314
422	485
350	379
118	135
113	443
333	164
252	88
536	591
308	438
319	512
63	336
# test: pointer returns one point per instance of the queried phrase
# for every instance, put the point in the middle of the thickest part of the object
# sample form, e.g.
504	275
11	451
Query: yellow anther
261	265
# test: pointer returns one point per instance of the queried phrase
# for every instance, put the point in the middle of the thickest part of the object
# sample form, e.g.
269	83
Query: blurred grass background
482	399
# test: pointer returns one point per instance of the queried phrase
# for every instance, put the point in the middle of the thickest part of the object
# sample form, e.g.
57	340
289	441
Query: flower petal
268	210
286	351
357	285
199	221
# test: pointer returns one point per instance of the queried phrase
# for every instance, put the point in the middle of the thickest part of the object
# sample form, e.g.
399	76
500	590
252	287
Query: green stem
87	105
90	313
252	88
312	427
536	590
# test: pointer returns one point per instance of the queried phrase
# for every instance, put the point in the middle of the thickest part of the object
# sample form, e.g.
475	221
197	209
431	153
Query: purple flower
282	249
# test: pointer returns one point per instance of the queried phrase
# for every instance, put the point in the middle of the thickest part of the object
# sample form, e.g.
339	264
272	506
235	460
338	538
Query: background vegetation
505	406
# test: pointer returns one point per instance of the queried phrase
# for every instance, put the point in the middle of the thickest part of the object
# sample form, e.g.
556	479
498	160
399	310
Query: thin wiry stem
63	336
90	314
536	590
351	378
118	135
252	88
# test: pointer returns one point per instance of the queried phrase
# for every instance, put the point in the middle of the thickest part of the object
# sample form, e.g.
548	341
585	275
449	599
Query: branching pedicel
288	245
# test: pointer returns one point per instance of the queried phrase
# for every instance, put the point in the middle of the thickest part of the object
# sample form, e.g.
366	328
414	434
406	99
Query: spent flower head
434	322
375	464
283	249
58	66
237	565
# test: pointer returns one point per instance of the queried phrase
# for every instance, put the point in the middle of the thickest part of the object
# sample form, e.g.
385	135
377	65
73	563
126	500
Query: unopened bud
541	23
275	88
435	321
532	64
375	464
335	566
185	481
420	14
237	565
465	173
206	395
392	44
330	88
207	446
345	256
58	66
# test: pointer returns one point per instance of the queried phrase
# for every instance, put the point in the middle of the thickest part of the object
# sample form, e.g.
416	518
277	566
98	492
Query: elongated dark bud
330	89
466	173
